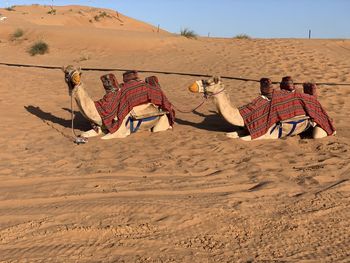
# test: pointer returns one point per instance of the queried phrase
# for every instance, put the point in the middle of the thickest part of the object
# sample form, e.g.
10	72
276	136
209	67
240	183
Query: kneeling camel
146	116
214	88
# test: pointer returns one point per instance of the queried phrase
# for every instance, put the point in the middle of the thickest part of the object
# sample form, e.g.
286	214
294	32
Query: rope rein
162	72
190	111
81	140
77	139
206	96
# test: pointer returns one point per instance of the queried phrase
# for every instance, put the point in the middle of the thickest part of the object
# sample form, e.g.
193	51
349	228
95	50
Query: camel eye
204	82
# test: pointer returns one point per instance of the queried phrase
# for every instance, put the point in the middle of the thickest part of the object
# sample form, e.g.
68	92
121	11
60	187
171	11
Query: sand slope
187	195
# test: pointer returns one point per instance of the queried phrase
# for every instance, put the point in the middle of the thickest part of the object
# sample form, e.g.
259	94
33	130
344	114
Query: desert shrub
101	15
52	12
40	47
97	18
188	33
82	58
17	34
10	8
242	36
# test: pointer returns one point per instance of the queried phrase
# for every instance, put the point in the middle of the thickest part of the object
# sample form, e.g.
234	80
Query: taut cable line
162	72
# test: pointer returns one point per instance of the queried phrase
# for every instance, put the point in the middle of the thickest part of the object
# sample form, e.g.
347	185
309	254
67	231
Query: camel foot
246	138
91	133
162	125
319	133
115	135
233	135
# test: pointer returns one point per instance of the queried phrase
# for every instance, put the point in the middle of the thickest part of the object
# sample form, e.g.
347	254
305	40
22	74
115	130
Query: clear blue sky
227	18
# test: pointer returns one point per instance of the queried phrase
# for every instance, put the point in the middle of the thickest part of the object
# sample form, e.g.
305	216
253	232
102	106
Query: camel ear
63	69
217	79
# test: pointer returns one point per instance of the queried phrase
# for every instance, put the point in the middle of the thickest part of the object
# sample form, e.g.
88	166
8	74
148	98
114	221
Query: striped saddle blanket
261	114
115	106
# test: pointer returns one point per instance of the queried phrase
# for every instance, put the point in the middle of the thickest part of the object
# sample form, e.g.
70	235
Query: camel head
209	86
72	76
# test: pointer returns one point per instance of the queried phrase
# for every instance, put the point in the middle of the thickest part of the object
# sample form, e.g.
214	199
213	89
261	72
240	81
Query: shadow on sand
80	123
211	122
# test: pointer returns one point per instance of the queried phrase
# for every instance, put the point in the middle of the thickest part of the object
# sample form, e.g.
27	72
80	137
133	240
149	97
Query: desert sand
186	195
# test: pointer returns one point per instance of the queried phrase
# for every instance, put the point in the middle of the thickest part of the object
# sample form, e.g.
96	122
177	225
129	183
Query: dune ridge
187	195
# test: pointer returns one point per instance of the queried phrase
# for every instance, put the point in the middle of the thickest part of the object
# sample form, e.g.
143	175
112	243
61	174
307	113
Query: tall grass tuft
188	33
17	34
242	36
39	48
101	15
11	8
52	11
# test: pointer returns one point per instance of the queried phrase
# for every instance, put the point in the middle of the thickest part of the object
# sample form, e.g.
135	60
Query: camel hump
152	80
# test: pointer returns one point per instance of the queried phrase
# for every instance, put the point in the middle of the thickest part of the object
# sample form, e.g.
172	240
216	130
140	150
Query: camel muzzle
196	87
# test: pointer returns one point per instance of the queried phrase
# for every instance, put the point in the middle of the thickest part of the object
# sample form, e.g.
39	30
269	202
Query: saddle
284	126
150	113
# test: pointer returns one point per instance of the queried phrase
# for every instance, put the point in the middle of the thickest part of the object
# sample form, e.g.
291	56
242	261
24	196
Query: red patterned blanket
261	114
133	93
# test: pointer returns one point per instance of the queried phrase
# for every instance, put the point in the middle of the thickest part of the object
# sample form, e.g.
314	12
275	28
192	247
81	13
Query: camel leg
248	138
230	114
233	135
162	124
90	113
87	106
92	133
122	132
318	133
267	136
157	125
88	110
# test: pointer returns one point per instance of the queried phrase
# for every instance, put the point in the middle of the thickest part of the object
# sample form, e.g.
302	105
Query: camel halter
77	139
73	79
206	96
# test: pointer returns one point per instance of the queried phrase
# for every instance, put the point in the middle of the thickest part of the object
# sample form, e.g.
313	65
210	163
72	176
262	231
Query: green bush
39	47
17	34
188	33
104	14
97	18
101	15
11	8
242	36
52	12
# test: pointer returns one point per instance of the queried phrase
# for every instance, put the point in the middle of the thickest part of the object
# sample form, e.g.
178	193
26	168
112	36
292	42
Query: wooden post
158	28
309	33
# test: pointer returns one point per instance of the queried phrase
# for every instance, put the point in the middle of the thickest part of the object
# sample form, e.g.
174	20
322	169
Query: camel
153	119
214	88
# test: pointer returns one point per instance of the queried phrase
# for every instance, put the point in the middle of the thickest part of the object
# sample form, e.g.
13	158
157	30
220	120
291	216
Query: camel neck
227	110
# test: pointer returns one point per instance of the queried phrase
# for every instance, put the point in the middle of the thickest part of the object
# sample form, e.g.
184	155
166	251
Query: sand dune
187	195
